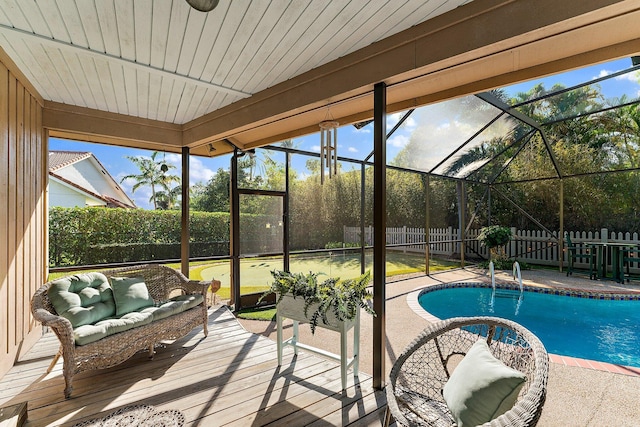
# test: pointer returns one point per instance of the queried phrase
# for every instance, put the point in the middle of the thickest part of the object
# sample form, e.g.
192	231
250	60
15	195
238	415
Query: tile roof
60	159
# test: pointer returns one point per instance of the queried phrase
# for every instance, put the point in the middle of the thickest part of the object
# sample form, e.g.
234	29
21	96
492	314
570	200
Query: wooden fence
532	246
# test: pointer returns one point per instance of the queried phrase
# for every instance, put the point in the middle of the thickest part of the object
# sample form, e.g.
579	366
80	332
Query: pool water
602	330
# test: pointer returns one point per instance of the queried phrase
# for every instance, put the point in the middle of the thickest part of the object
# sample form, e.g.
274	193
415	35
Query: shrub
495	237
96	235
343	298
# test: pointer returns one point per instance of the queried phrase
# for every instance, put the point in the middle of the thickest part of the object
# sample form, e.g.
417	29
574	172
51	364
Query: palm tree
169	199
152	173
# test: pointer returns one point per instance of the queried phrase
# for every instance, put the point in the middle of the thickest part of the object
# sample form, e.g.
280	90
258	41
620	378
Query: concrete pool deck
578	394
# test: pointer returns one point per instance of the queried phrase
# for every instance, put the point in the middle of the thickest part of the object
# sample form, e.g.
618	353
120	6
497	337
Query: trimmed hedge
96	235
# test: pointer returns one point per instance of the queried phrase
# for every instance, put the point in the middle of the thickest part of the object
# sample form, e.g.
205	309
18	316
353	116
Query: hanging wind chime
328	149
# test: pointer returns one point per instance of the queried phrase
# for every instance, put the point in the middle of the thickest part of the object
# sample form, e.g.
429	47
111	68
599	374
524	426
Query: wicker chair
414	391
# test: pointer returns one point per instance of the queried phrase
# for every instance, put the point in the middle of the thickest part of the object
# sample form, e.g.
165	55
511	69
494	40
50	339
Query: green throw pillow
130	294
481	387
82	298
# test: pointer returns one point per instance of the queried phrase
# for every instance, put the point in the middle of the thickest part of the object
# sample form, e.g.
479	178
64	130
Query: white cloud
352	150
362	130
173	159
198	172
398	141
632	77
410	123
315	148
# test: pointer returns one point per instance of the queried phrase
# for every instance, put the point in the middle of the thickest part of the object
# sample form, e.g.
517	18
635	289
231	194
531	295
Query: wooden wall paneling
37	242
19	231
11	216
22	212
26	196
30	179
4	215
43	211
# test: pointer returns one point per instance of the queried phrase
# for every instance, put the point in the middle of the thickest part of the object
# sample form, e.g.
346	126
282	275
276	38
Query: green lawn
256	273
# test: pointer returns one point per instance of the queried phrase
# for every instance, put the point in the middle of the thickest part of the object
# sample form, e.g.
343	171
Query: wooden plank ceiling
163	60
158	74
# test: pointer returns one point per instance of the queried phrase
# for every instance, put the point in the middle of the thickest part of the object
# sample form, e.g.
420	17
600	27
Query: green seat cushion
89	333
130	294
175	305
481	387
82	298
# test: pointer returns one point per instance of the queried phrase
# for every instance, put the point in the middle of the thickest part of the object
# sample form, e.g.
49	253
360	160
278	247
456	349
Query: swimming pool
596	326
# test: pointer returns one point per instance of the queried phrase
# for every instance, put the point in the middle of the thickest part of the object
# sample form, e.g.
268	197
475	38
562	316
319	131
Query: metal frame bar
363	205
285	214
525	213
578	86
475	212
395	128
482	129
379	234
506	165
500	153
185	233
602	110
234	227
427	199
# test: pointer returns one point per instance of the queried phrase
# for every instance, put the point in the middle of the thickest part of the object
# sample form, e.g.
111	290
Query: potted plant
495	237
329	302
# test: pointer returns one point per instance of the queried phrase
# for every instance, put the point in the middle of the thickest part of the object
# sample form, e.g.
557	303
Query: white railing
530	246
517	275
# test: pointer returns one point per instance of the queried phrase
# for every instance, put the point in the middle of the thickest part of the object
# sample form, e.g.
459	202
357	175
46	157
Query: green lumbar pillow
481	387
130	294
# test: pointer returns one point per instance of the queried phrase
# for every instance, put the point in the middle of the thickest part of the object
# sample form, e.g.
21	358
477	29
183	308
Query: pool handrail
516	270
493	276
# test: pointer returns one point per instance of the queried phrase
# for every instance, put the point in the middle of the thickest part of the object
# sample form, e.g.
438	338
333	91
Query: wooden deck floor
229	378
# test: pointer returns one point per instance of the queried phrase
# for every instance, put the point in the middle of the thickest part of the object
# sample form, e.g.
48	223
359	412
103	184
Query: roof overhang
482	45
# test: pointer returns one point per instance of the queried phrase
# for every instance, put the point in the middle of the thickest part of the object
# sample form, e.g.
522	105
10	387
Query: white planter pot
293	308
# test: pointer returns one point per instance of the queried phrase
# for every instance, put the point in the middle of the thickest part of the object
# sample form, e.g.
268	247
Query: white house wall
85	175
67	197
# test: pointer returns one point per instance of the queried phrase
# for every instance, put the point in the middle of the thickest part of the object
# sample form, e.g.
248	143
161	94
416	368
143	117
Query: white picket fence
532	246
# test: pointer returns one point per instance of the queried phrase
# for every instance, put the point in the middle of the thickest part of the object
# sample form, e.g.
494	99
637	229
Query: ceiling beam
12	32
86	124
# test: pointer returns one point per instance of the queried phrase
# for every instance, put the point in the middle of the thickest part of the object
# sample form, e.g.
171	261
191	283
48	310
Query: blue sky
352	143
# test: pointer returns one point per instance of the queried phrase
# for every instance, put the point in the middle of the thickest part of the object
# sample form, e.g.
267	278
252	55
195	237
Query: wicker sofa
104	318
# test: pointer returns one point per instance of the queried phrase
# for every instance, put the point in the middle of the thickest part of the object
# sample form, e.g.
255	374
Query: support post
380	228
561	237
488	205
363	253
427	236
234	237
463	210
285	214
185	233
